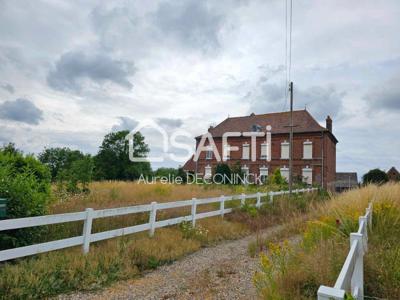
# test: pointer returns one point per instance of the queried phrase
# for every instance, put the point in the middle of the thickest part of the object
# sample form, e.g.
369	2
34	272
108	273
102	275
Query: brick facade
323	162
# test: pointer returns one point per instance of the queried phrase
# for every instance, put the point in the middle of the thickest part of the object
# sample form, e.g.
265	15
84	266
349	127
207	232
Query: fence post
87	229
242	199
153	218
271	197
364	220
258	204
194	204
222	205
328	293
357	280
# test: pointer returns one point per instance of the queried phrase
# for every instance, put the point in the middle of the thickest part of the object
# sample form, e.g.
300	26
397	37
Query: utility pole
291	140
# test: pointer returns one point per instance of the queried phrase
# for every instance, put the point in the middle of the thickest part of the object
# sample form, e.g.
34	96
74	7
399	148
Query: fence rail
90	214
351	277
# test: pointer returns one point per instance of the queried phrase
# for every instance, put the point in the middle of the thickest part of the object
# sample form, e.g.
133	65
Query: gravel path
221	272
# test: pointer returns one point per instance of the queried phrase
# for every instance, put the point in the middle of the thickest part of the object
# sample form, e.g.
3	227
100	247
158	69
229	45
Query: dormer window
256	128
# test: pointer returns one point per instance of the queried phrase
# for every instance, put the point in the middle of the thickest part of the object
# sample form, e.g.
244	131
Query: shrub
375	176
25	182
223	173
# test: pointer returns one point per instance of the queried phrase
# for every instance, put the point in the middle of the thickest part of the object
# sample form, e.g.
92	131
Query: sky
71	72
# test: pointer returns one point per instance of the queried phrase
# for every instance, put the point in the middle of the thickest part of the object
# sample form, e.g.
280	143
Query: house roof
278	121
346	178
189	165
393	170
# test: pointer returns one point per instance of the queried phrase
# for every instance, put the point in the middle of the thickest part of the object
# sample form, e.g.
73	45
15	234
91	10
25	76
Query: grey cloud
21	110
170	123
320	101
125	123
386	96
72	67
192	22
8	87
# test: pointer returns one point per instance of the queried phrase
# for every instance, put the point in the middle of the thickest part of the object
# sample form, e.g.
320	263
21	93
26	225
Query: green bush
25	182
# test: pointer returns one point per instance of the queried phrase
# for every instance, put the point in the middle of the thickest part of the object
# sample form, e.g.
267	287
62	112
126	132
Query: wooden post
242	199
328	293
194	204
222	205
271	197
357	280
258	204
153	218
87	230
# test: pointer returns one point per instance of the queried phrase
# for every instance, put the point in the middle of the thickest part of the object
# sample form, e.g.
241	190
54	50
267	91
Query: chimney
210	128
329	123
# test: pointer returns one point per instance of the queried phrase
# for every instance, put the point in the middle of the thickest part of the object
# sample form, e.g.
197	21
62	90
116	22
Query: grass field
296	271
126	257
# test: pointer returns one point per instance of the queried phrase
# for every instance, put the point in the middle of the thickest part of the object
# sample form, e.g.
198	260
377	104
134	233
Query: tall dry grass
319	257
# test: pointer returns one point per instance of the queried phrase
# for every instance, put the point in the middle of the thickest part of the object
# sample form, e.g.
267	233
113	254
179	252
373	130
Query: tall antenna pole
291	140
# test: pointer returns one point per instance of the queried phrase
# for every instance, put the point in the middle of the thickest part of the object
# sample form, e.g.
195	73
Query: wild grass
296	272
69	270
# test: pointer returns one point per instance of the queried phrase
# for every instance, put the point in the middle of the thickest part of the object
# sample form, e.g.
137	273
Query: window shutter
246	151
307	150
207	172
285	150
264	151
307	175
285	173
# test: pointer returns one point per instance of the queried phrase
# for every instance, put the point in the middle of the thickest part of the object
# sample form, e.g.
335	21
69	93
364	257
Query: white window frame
209	153
307	175
245	170
285	173
263	174
227	152
207	172
247	147
307	150
264	151
285	145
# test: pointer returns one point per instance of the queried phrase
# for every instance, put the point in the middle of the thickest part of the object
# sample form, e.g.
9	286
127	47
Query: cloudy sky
71	72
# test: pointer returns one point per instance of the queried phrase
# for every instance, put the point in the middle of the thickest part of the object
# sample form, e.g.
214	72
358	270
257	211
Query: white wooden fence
351	277
89	215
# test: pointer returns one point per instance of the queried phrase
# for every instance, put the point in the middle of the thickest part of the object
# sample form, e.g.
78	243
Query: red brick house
393	174
314	147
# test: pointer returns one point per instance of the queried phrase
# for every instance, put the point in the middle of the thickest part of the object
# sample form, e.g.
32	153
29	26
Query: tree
277	178
112	161
25	183
165	172
77	176
223	173
375	176
59	159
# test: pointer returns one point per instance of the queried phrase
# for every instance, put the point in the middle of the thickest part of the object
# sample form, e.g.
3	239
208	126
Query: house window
209	153
285	150
285	173
264	151
207	172
227	152
263	173
307	175
246	151
307	150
